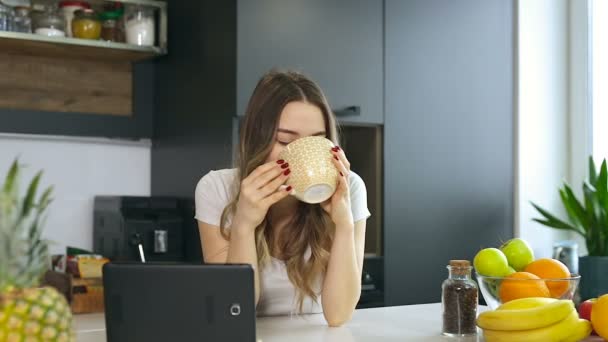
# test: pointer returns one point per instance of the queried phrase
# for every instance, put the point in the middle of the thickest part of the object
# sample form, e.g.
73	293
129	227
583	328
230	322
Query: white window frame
581	124
598	22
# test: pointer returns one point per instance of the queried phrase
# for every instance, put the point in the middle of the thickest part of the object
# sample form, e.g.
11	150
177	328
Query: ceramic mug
313	175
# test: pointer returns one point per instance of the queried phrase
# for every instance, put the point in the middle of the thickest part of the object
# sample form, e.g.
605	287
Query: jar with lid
112	29
68	8
39	6
459	300
22	21
86	25
49	23
6	18
140	25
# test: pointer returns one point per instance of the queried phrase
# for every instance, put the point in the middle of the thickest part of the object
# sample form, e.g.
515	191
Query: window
599	77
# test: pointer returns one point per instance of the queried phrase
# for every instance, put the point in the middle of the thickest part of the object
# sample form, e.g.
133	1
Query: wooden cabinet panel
57	85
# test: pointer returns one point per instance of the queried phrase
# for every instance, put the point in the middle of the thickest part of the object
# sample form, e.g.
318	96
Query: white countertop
420	323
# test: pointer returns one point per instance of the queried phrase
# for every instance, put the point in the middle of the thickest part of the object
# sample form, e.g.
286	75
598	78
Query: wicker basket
84	295
87	296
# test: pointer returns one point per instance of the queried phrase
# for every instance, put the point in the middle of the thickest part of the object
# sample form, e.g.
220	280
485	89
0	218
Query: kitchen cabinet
70	86
448	138
337	43
135	126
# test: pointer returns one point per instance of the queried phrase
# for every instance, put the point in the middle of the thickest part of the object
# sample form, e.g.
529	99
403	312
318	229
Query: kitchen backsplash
79	169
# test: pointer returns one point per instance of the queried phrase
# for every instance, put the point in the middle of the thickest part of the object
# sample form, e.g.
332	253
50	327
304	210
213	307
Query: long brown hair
305	245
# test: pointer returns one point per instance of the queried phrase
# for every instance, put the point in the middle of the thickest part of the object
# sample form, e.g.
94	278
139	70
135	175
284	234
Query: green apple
491	262
518	253
511	270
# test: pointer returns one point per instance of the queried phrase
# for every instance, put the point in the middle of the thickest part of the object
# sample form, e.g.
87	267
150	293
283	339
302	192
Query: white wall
543	138
79	169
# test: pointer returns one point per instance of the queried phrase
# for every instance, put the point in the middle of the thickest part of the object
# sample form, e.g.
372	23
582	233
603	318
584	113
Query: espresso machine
158	229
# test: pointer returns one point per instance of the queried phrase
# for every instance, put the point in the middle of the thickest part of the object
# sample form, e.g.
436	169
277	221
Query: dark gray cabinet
448	138
195	96
338	43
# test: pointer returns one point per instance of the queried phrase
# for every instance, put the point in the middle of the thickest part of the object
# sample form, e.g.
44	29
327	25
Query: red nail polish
341	174
288	171
336	158
337	148
284	166
280	161
288	188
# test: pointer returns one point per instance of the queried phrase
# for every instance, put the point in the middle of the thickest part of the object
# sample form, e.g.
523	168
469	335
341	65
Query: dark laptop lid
178	302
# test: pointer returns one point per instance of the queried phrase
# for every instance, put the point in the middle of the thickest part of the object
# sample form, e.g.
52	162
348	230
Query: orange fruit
599	316
551	269
522	285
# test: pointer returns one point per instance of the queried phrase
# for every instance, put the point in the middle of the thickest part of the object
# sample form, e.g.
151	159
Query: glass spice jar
86	25
69	8
50	24
140	25
112	29
459	300
6	18
22	21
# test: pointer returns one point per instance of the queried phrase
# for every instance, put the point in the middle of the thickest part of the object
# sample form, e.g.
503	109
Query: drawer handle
348	111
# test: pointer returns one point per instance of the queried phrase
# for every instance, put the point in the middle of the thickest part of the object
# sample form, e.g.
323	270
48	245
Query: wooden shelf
73	48
71	75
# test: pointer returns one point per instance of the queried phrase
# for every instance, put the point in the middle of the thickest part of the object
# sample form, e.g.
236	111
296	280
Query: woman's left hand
338	206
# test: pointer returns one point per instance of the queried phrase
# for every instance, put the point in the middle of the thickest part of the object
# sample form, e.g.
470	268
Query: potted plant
588	219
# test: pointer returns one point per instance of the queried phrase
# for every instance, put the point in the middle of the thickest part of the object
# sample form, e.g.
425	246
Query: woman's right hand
259	190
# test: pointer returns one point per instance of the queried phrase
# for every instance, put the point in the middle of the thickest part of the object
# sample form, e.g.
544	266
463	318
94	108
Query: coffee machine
159	229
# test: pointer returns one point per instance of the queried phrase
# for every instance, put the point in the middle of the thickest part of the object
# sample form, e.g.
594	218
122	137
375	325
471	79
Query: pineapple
27	312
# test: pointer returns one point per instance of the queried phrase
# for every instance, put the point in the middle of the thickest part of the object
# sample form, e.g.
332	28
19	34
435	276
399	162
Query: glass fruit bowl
498	290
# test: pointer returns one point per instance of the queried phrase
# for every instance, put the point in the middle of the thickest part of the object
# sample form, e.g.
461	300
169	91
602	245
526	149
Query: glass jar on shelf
22	21
86	24
112	29
68	9
6	17
140	25
49	23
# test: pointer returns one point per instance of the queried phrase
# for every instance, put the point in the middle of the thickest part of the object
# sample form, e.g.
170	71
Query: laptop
179	302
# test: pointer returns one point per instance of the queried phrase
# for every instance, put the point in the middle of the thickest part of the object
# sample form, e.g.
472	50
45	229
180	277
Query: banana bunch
534	320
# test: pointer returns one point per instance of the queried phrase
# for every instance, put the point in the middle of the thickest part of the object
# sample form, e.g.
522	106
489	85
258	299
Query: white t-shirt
277	294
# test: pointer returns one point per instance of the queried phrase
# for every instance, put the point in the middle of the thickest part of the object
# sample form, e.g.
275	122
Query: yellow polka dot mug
313	175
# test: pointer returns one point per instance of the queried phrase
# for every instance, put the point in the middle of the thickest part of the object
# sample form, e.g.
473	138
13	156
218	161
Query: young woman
307	258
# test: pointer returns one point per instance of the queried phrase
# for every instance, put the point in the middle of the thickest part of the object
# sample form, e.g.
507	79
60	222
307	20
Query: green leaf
591	246
572	202
572	215
590	201
28	201
34	230
592	173
553	221
10	183
46	199
601	186
558	225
